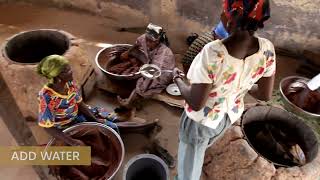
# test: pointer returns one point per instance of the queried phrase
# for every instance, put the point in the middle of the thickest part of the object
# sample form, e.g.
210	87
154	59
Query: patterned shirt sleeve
205	66
271	61
46	117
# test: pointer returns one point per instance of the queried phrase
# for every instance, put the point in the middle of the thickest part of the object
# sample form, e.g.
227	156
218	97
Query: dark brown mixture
105	157
304	98
124	66
276	142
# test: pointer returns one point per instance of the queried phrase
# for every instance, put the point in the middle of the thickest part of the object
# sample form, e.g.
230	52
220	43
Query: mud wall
294	24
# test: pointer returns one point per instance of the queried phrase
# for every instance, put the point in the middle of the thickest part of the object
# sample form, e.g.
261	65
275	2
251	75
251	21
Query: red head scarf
258	10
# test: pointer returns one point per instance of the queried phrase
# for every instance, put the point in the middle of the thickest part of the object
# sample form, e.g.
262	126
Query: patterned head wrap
257	10
51	66
154	32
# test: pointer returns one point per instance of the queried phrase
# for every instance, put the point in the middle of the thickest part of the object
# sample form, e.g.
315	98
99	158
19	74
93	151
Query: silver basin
289	105
109	132
105	56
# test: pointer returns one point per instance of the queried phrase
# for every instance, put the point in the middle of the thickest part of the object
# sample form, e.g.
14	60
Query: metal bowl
109	132
304	136
173	90
106	55
288	104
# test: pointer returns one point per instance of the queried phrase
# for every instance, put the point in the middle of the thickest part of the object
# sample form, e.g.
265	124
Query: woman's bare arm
264	88
195	95
84	110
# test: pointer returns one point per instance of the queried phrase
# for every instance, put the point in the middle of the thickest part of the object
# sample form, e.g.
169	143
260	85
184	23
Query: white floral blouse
232	79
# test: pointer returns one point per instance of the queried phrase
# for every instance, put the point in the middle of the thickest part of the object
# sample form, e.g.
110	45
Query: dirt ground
93	30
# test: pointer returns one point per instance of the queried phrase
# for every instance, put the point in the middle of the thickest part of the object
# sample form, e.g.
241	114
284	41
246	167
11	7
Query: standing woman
219	78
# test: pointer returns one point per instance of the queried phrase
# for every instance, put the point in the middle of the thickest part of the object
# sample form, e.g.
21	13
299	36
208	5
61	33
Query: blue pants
194	139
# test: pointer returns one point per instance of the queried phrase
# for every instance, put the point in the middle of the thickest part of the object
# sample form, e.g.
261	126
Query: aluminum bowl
289	105
112	134
105	56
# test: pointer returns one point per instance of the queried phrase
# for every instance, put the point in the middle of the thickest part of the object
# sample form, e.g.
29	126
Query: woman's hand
263	90
195	95
59	135
100	120
124	56
85	110
177	73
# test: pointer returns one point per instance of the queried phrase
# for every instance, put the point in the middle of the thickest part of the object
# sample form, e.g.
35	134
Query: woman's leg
190	160
194	140
221	129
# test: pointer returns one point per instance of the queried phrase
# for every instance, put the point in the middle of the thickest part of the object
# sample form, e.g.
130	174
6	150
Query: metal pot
288	104
303	134
112	134
106	55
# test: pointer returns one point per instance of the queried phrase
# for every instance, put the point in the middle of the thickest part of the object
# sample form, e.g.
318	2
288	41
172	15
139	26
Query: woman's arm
58	134
84	110
204	66
264	88
195	95
125	55
134	51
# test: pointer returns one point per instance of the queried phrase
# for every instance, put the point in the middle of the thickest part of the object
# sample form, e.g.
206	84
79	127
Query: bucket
146	167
